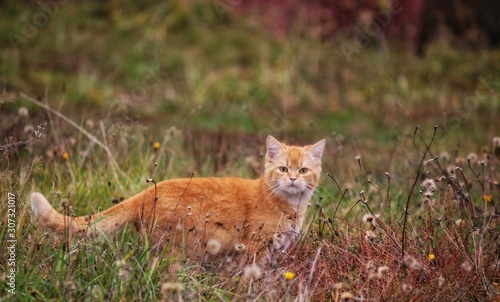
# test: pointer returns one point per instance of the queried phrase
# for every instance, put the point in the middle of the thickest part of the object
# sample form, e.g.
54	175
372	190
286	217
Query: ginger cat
208	218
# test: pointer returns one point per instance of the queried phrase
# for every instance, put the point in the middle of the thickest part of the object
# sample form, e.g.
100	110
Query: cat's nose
293	179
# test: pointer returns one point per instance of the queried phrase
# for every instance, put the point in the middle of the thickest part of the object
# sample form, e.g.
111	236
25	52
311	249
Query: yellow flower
289	275
487	198
156	145
431	257
65	155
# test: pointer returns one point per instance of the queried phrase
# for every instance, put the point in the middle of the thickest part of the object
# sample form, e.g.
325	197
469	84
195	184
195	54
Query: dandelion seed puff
370	219
496	142
179	227
23	112
367	218
466	266
472	157
459	222
120	263
252	271
213	246
346	296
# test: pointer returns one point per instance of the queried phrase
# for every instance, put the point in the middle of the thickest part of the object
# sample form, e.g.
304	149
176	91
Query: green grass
130	73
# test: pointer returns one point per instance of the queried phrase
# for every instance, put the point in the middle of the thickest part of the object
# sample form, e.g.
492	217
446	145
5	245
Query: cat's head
291	170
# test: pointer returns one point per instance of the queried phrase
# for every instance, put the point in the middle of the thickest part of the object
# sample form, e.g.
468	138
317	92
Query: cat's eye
303	170
283	169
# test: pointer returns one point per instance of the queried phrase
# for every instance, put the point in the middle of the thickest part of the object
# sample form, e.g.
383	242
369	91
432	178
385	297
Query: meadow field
97	98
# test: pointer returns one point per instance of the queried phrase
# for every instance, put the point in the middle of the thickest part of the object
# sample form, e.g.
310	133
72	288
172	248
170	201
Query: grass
208	91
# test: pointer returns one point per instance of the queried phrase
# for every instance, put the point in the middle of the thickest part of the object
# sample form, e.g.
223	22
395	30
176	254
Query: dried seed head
252	271
444	156
240	248
213	246
466	266
23	112
472	158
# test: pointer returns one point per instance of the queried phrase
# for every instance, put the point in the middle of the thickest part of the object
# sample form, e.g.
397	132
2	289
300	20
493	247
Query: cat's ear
317	149
273	148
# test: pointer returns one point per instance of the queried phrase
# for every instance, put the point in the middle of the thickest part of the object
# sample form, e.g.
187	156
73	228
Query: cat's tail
107	222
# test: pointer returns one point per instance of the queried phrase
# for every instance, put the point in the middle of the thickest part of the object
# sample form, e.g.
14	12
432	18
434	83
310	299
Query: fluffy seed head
213	246
252	271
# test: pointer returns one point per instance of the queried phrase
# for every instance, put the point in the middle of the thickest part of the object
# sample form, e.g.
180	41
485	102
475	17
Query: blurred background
363	73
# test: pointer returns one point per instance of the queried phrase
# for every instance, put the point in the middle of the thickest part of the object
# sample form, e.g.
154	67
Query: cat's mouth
293	189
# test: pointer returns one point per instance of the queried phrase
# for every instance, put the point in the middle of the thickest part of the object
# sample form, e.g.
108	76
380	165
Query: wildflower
156	145
487	198
346	296
252	271
120	263
431	257
23	112
289	275
213	246
65	155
